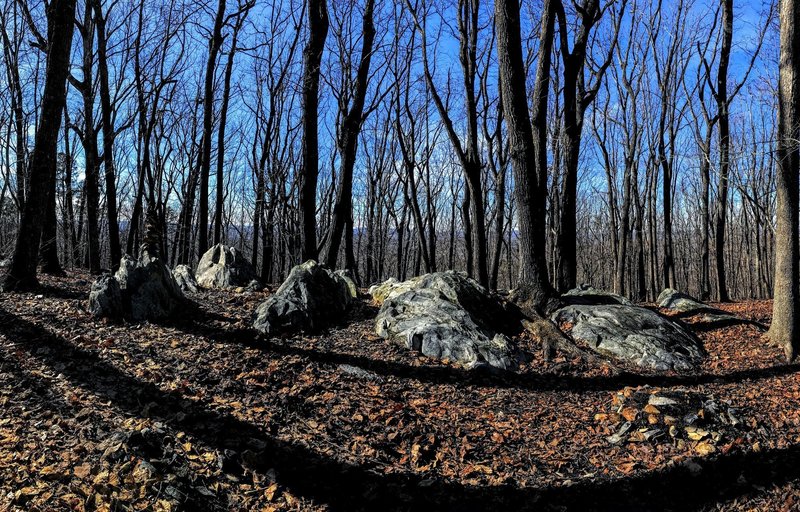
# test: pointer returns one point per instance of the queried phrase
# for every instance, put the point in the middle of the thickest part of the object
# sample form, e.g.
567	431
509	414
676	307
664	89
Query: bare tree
785	331
578	94
309	172
351	112
528	154
467	153
60	21
240	15
214	45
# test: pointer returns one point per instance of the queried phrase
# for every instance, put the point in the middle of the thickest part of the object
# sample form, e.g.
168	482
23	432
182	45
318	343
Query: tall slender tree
468	153
60	26
109	133
352	120
785	328
309	171
578	94
214	45
527	143
240	16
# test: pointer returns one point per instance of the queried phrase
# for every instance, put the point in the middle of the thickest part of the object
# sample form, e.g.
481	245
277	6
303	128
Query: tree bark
49	253
11	54
724	149
348	144
89	139
214	45
309	171
785	328
22	273
109	134
527	152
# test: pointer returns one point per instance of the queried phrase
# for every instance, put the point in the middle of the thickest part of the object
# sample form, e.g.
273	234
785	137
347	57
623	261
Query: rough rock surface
312	298
678	301
144	290
148	290
702	314
446	315
254	286
105	298
632	334
350	280
184	277
587	294
224	267
391	288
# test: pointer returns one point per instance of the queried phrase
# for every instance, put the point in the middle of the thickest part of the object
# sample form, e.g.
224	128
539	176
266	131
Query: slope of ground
203	414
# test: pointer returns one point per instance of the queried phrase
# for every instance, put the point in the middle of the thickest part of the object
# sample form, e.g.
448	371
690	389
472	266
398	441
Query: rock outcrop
224	267
446	315
142	289
312	298
699	314
632	334
105	298
184	277
391	288
589	295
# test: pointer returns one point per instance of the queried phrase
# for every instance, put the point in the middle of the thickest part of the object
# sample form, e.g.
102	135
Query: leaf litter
204	414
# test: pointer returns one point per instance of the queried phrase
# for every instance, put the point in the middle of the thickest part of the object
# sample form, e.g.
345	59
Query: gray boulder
254	286
184	277
149	291
446	315
587	294
350	280
146	289
391	288
105	298
680	302
224	267
633	334
312	298
702	315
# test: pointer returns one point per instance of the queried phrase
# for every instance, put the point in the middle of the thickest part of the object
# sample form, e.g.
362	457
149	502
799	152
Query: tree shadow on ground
343	486
41	399
61	292
452	375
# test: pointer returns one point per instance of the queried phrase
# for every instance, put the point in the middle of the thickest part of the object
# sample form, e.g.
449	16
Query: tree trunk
223	118
473	209
309	171
526	152
115	250
785	328
705	220
69	230
724	148
90	151
49	253
348	144
11	54
214	45
22	273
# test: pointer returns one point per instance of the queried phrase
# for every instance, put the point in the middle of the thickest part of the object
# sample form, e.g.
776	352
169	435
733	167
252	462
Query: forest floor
205	414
